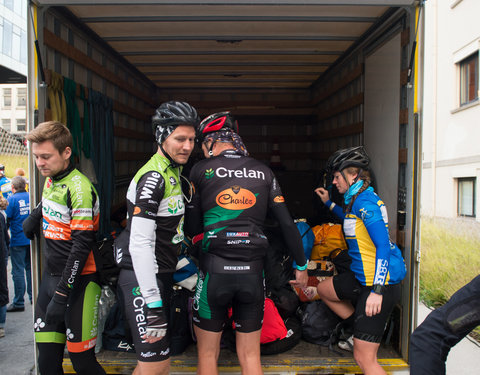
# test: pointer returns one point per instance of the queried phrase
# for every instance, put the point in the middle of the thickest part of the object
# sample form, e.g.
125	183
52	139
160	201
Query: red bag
273	327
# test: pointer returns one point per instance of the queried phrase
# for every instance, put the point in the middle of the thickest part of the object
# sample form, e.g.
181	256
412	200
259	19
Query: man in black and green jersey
147	250
67	302
232	195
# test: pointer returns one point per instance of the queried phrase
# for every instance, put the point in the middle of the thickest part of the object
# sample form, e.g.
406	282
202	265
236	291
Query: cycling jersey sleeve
289	229
142	234
372	217
193	212
83	227
336	209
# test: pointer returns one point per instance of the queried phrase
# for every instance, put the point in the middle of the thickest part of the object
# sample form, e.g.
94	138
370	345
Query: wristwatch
378	289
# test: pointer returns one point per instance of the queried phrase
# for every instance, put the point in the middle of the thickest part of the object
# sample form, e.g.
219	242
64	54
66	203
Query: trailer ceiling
229	46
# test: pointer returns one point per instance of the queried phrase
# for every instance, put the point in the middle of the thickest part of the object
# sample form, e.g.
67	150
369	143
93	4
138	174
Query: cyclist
148	248
364	297
69	291
232	195
5	183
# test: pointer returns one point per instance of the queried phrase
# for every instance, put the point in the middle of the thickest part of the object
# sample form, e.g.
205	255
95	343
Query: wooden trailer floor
305	358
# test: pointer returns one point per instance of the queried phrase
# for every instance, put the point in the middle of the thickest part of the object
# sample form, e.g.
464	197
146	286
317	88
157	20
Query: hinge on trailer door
418	255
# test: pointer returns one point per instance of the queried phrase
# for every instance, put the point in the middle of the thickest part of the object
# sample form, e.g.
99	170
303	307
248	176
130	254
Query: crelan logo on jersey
236	198
174	205
208	173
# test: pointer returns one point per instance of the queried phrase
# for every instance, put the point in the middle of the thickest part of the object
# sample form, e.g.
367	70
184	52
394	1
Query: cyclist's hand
301	279
56	309
323	194
373	306
156	324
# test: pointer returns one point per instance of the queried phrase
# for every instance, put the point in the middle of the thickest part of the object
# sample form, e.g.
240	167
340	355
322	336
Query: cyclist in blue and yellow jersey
232	195
364	297
5	183
147	250
67	302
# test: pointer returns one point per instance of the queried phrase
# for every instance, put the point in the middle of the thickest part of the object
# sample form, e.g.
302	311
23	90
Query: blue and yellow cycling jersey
375	259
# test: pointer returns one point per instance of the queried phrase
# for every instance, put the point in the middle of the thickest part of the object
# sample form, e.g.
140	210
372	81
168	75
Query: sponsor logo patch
237	234
236	198
137	210
279	199
208	173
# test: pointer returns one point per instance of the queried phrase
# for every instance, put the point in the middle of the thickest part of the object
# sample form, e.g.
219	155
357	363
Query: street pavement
17	350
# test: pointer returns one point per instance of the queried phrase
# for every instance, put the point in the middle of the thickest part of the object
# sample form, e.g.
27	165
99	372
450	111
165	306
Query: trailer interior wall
71	52
366	99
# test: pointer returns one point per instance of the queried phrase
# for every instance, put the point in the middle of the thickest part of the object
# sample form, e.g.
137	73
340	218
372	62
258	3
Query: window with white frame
6	124
466	196
21	97
469	79
21	125
7	98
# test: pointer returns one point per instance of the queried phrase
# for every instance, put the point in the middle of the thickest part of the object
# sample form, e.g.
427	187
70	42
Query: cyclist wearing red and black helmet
377	266
147	249
232	195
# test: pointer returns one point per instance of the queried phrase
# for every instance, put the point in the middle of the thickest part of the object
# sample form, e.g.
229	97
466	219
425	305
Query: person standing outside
147	250
232	195
5	183
17	211
4	244
67	303
365	296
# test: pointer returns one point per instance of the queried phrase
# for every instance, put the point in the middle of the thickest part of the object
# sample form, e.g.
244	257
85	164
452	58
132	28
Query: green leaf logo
209	173
172	206
136	291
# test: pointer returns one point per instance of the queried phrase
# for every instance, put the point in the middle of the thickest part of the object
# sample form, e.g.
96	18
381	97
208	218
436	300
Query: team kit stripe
50	337
56	211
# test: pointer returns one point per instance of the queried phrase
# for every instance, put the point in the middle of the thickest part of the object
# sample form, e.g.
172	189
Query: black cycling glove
156	322
56	309
31	225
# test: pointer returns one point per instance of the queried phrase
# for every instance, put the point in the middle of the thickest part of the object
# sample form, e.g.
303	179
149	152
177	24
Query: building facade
451	119
13	37
13	108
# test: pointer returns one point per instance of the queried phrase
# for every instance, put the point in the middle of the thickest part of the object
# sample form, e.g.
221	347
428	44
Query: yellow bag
328	237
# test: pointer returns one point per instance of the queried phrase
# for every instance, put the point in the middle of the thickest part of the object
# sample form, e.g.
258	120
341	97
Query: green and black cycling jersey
70	210
150	243
232	196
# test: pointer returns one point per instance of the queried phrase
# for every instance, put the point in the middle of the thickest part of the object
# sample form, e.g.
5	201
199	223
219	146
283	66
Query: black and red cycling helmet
214	123
348	157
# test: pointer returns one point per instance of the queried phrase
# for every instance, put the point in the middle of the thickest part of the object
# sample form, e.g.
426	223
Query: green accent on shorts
50	337
204	309
90	311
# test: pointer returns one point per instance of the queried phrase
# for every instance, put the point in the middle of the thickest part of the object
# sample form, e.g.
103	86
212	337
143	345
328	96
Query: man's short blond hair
53	131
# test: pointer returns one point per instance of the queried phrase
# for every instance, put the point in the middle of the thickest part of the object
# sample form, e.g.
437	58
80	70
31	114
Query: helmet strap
173	163
345	178
210	149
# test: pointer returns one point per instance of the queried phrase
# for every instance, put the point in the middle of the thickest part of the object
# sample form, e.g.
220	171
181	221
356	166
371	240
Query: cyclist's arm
193	211
83	227
289	229
149	194
336	209
378	232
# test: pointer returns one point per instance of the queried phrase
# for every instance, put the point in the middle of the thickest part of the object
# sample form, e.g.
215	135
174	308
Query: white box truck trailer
303	78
